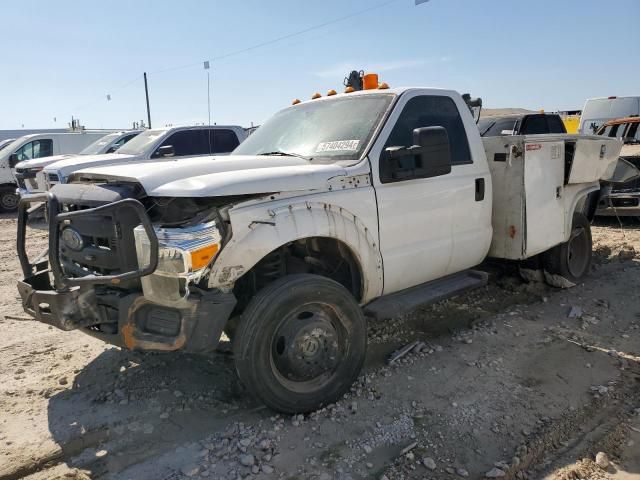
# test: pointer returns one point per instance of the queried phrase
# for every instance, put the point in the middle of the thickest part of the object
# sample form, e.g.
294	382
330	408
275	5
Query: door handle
479	189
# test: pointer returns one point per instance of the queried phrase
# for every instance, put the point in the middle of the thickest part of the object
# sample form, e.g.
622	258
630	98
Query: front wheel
301	343
9	199
566	264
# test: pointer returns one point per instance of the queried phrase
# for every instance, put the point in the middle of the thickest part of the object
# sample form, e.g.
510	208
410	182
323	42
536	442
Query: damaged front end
121	275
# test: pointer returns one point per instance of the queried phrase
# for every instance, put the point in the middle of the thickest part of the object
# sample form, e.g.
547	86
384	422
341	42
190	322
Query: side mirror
13	160
429	156
166	151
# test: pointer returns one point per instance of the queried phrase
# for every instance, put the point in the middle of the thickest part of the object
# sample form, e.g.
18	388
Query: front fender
257	233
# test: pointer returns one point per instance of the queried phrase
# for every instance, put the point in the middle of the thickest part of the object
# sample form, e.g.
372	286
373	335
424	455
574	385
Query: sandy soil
508	384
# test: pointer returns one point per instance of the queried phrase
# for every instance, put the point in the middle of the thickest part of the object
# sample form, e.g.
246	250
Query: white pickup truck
352	205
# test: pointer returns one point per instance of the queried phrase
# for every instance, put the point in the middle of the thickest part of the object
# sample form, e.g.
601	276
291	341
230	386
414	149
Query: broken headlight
183	255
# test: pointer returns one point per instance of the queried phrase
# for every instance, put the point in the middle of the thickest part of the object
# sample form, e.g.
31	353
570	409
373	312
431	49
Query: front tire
9	199
301	343
568	263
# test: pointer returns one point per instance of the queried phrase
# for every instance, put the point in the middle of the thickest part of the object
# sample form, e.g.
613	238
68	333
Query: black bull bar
51	259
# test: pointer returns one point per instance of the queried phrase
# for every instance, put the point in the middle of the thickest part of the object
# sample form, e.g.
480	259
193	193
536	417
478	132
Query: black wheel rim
308	347
578	252
9	201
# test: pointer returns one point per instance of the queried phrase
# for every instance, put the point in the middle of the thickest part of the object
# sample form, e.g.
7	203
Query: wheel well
323	256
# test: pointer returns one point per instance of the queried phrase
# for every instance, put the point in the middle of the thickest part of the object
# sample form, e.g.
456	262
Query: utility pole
146	93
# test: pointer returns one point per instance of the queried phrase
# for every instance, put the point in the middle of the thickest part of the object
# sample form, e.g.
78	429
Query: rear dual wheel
569	262
300	343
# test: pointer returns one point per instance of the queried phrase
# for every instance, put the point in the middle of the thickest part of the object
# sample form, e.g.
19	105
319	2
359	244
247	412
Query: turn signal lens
200	258
331	92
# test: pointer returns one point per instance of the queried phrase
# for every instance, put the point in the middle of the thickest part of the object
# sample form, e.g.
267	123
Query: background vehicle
6	142
624	199
597	111
525	124
36	146
370	202
167	143
28	173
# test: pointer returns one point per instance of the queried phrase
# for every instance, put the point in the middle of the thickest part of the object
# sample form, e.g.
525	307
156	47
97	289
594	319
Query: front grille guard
55	217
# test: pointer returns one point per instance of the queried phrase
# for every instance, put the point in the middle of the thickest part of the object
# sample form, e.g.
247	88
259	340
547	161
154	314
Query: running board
407	300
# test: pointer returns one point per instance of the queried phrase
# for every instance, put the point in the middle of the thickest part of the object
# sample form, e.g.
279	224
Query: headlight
182	252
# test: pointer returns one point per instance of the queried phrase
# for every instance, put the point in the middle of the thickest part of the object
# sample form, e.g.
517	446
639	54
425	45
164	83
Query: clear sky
62	57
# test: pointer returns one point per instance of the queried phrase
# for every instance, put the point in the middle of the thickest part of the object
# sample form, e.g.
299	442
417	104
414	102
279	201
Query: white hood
219	176
41	162
67	166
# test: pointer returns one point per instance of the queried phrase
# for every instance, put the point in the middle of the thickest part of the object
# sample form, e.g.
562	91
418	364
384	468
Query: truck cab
524	124
347	204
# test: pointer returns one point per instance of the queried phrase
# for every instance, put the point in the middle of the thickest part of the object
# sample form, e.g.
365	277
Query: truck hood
71	164
219	176
41	162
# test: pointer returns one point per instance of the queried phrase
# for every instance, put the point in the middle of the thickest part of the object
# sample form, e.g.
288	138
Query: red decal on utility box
533	146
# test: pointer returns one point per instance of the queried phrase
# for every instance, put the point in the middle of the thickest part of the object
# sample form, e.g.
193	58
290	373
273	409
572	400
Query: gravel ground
516	380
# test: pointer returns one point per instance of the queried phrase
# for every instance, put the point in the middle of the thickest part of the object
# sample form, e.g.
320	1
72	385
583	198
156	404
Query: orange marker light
349	89
315	95
295	101
383	86
200	258
370	81
331	92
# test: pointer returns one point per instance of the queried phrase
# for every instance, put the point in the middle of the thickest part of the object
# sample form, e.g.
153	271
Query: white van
36	146
29	174
598	111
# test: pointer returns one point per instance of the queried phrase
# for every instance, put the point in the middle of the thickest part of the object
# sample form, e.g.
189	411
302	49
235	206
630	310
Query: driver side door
416	215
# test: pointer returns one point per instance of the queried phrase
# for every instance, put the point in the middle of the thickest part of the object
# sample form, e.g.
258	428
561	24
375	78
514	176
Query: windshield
335	129
140	144
98	146
494	126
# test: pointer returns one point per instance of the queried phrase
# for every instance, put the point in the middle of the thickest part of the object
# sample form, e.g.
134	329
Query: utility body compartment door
431	227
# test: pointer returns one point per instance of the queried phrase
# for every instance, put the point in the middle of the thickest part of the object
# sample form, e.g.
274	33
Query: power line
278	39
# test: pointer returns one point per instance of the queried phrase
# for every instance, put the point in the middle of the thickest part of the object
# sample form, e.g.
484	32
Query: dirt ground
516	380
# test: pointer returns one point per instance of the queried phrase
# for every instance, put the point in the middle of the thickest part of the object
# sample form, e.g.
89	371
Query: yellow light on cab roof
295	101
315	95
349	89
331	92
383	86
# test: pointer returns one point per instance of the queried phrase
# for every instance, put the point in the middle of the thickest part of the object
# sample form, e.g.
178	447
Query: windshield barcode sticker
338	146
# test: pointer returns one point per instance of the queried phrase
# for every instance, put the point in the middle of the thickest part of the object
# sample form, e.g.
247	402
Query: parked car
598	111
281	244
6	142
167	143
623	200
31	178
36	146
521	124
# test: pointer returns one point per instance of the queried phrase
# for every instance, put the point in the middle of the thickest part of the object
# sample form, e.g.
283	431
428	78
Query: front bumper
101	306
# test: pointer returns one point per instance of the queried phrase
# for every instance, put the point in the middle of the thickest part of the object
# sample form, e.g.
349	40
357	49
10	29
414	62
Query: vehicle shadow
134	406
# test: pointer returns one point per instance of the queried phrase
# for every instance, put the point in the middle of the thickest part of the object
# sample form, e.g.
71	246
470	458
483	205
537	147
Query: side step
407	300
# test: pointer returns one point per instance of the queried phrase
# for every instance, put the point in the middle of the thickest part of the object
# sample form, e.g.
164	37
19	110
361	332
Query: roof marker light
331	92
383	86
295	101
349	89
315	95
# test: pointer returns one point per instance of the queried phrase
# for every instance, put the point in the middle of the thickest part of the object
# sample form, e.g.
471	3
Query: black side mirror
166	151
430	155
13	160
